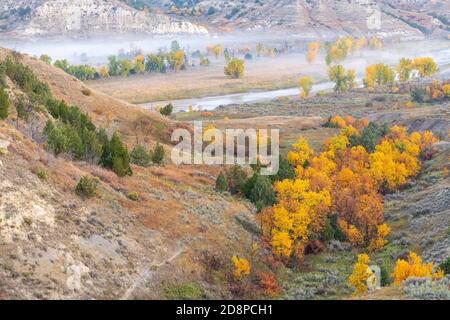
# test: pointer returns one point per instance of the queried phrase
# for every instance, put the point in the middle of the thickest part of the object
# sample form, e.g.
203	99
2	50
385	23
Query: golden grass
259	75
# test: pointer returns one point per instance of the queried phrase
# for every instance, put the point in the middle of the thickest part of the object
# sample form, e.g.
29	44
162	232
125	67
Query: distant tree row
132	63
383	75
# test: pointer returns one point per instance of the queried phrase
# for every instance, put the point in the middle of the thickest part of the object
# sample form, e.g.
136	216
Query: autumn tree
305	84
343	82
404	69
125	67
345	181
177	60
375	43
425	66
360	274
378	74
241	267
313	50
217	50
103	72
235	68
139	64
300	153
413	267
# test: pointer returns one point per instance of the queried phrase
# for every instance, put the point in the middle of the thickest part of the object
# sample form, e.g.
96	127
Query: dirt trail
146	274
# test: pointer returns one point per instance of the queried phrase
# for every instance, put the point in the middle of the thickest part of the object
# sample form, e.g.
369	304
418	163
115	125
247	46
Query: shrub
328	232
236	178
42	174
305	83
115	156
427	289
360	274
186	291
24	77
4	104
445	266
369	137
211	11
259	191
386	279
21	112
133	195
159	154
413	267
408	104
235	68
86	91
140	156
87	187
206	114
221	183
418	95
46	58
269	285
285	171
167	110
241	267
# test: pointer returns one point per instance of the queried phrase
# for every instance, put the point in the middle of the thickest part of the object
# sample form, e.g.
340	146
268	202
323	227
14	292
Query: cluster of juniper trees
70	131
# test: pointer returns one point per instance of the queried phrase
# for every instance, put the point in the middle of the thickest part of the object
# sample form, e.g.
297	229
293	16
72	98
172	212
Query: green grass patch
185	291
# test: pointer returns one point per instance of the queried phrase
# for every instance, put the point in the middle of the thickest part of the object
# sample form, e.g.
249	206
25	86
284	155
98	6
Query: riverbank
261	74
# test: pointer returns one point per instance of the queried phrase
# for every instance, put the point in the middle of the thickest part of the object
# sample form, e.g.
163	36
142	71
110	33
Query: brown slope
123	248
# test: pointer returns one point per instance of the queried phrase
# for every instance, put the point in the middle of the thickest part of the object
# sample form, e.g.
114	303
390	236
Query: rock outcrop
94	17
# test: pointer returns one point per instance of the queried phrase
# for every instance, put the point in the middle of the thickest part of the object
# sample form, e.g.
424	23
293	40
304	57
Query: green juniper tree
221	183
116	157
4	104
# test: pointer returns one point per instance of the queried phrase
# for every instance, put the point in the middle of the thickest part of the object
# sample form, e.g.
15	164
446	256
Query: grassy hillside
122	246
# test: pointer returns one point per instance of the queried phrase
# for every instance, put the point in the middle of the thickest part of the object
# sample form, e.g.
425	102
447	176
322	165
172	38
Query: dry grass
259	74
104	110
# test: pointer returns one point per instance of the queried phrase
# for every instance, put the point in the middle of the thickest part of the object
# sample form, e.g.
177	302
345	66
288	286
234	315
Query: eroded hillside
56	245
88	17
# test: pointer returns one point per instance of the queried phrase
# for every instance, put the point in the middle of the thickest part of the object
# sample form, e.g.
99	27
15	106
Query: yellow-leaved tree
300	154
360	274
413	267
313	50
378	74
241	267
425	66
305	84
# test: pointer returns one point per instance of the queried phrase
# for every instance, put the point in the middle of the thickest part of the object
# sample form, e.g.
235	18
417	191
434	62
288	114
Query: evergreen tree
92	148
221	183
167	110
236	177
4	104
21	113
115	156
262	193
285	171
57	142
158	154
140	156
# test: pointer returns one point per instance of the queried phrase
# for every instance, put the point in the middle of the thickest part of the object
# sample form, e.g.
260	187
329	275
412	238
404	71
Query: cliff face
87	17
387	18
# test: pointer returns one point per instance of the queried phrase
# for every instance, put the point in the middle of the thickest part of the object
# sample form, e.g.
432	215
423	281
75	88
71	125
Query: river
441	57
